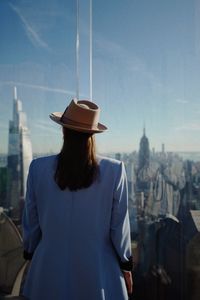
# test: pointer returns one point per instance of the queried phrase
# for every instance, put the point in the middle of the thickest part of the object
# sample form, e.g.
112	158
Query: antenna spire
144	129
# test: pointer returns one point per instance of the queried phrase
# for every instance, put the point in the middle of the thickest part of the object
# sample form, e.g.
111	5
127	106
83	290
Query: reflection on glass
19	158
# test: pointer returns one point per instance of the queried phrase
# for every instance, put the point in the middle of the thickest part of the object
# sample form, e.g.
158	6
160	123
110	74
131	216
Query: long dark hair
77	165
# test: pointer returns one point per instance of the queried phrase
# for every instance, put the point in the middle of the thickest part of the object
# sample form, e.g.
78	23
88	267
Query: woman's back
76	229
92	204
74	236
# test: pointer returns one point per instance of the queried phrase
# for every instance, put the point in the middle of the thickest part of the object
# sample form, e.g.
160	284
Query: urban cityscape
140	60
164	209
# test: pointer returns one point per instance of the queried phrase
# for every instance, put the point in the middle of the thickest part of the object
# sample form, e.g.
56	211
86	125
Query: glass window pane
146	69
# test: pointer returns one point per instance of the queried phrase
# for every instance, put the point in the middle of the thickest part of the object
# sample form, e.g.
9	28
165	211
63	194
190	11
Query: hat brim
56	117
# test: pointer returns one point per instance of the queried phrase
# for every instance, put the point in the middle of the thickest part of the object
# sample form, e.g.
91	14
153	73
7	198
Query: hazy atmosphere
146	69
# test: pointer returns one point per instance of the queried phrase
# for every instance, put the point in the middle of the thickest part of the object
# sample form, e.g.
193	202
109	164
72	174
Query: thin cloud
112	48
193	126
132	62
39	87
33	36
181	101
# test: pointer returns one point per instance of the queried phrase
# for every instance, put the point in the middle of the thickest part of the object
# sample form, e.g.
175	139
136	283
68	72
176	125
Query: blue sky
146	69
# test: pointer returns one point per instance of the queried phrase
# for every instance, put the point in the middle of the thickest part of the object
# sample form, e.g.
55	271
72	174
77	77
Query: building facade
19	157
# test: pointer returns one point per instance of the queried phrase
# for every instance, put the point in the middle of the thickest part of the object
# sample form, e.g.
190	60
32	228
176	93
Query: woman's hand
129	281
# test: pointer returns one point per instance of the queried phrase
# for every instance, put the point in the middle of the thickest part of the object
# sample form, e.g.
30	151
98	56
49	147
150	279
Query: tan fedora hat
81	115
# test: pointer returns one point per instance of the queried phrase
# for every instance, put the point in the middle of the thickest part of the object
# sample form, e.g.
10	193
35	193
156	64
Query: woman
75	221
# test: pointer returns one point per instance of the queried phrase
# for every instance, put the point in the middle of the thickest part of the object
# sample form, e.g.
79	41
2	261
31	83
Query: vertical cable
91	50
77	50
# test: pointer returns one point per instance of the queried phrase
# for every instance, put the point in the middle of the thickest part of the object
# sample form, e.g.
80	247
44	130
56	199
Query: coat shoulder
44	162
107	163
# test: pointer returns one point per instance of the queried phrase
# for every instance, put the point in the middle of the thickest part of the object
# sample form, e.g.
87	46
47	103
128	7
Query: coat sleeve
120	225
30	221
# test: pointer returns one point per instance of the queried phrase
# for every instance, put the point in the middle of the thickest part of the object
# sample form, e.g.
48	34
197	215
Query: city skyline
146	65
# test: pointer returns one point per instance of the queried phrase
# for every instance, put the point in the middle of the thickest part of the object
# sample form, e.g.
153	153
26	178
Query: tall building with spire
19	157
144	152
143	170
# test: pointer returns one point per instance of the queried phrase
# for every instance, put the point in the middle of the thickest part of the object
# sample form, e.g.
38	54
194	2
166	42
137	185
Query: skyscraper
144	152
143	170
130	178
163	148
19	156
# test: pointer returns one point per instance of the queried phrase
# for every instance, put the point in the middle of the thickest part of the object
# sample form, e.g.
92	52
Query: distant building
3	185
193	260
3	160
163	148
144	152
143	171
118	156
19	157
130	178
